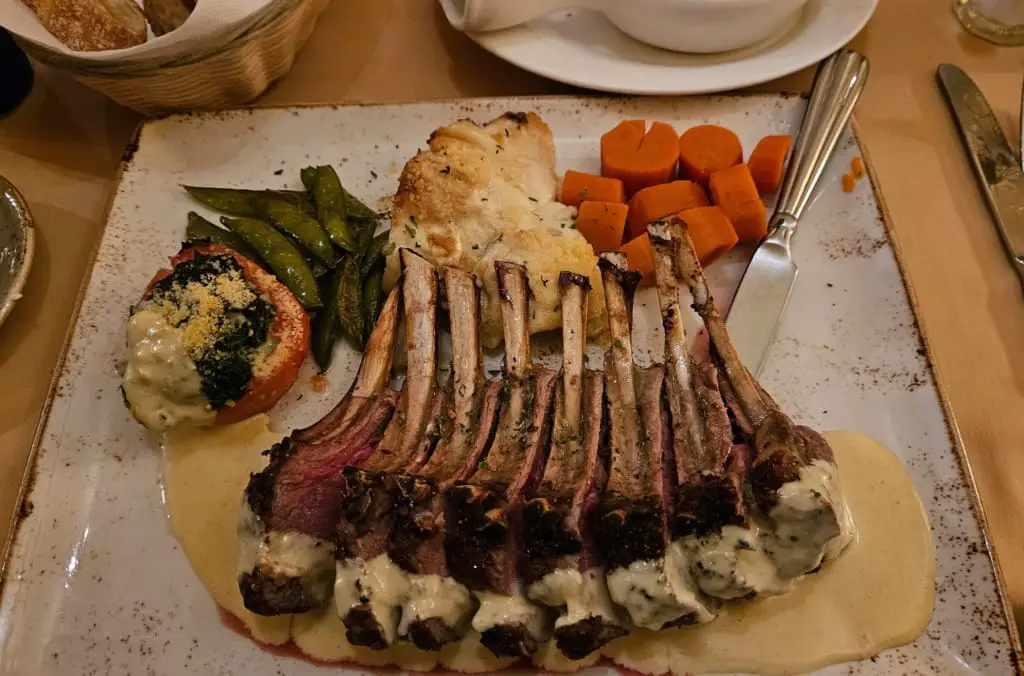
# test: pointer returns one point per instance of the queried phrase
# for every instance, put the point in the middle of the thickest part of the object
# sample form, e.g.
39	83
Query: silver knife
995	164
764	291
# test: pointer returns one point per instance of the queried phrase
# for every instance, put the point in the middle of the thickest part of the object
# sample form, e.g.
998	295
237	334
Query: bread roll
92	25
166	15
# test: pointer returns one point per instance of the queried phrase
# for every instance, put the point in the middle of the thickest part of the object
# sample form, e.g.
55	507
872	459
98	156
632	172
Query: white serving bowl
697	26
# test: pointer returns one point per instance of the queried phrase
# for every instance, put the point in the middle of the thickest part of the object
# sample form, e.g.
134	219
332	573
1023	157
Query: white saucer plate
582	48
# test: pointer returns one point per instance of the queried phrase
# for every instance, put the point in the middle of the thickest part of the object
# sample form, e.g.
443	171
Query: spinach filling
240	325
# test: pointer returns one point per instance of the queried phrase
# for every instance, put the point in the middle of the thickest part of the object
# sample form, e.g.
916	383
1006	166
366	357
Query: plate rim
132	145
485	41
26	223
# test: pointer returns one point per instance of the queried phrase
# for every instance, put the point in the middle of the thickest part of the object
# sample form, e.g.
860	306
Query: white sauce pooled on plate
878	595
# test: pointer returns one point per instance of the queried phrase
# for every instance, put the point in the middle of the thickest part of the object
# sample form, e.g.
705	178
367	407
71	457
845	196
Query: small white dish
17	245
692	26
582	47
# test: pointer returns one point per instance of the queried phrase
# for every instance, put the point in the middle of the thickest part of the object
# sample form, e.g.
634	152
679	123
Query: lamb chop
438	609
711	523
562	567
632	515
289	511
369	588
793	475
483	514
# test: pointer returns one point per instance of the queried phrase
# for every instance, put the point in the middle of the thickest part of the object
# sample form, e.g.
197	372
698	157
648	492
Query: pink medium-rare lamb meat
290	509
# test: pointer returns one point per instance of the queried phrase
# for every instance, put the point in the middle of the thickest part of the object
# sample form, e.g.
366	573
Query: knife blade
767	284
996	166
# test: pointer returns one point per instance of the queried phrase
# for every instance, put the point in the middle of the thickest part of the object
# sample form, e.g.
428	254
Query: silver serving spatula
768	281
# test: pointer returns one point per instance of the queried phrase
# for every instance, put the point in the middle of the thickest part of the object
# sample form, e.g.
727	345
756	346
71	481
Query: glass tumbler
998	21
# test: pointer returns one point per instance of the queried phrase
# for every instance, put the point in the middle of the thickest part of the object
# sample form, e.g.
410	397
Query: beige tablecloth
62	148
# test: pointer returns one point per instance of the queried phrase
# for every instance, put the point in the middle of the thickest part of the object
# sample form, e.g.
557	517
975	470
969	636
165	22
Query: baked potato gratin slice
485	193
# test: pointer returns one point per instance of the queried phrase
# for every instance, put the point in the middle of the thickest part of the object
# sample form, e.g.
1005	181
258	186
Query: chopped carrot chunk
658	201
602	224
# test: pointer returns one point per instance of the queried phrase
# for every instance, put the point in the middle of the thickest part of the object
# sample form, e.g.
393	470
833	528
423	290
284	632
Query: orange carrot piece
658	201
849	182
733	189
578	187
705	149
602	223
711	231
640	157
640	257
767	161
857	167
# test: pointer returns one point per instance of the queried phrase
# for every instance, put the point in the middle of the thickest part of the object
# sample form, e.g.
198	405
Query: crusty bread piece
92	25
166	15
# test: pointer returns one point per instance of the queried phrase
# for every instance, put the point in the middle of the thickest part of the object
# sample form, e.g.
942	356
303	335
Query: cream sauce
810	523
435	596
656	592
379	583
161	382
878	595
731	564
516	609
582	595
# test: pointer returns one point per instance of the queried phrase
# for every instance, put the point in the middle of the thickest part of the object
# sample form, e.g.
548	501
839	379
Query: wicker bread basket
227	75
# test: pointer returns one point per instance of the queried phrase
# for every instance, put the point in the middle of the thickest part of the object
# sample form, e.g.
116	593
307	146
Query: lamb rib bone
369	588
562	567
289	510
711	524
632	515
482	514
793	475
438	609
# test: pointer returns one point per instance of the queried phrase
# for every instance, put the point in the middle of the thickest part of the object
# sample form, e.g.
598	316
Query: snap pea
282	257
371	300
325	324
374	252
350	315
242	202
355	208
201	230
300	225
324	186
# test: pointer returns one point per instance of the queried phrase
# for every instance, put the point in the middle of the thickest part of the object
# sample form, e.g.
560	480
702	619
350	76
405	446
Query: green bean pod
243	202
355	208
325	328
281	256
323	185
301	226
375	251
200	230
350	311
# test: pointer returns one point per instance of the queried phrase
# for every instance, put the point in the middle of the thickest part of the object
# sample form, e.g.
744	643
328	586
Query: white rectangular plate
96	584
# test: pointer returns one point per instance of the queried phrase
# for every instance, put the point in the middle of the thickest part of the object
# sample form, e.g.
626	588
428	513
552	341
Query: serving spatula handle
838	84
